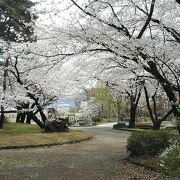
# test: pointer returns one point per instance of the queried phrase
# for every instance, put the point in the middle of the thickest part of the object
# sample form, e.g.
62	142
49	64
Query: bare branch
178	1
166	116
119	29
148	20
172	31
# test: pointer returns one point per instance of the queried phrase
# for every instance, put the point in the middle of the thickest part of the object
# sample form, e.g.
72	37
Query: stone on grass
56	126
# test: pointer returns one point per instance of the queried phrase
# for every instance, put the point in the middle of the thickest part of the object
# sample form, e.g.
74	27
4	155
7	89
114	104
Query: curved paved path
98	159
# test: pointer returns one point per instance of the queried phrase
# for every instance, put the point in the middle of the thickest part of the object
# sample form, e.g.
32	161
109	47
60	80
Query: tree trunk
156	125
28	118
178	1
23	117
18	117
178	128
43	116
134	100
2	118
109	111
166	86
118	111
29	115
36	120
132	116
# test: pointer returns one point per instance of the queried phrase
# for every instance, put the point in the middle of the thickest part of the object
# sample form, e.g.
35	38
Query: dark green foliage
96	119
66	120
171	161
94	123
14	19
1	63
149	142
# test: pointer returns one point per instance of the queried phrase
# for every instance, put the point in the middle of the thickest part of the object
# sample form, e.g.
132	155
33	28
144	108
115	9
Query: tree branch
119	29
178	1
172	31
148	104
148	20
166	116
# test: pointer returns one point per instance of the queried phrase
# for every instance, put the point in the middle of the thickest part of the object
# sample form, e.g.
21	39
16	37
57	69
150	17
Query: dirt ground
101	158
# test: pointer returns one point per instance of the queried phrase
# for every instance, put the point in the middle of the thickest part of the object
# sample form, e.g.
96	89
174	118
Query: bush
94	123
66	120
170	159
149	142
96	119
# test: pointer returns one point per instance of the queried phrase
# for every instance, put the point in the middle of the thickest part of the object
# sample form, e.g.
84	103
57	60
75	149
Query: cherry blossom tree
109	40
152	105
143	34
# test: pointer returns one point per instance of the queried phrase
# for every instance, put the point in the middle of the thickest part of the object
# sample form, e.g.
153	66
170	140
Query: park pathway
98	159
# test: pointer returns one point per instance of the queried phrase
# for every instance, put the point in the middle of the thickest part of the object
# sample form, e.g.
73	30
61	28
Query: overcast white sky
53	11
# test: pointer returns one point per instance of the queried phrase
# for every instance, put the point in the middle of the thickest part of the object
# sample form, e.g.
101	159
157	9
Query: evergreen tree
16	20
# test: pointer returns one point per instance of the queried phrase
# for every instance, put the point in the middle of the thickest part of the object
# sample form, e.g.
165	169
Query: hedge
149	142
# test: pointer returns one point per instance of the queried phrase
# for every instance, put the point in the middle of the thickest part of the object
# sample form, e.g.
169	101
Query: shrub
66	120
170	159
94	123
96	119
149	142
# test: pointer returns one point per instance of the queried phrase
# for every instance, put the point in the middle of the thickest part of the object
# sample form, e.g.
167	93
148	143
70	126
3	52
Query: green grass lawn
18	128
24	135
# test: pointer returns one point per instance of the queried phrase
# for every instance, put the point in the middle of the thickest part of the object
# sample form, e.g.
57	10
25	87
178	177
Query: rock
56	126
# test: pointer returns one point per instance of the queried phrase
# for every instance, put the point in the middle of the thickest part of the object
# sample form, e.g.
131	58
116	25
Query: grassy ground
152	162
24	135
